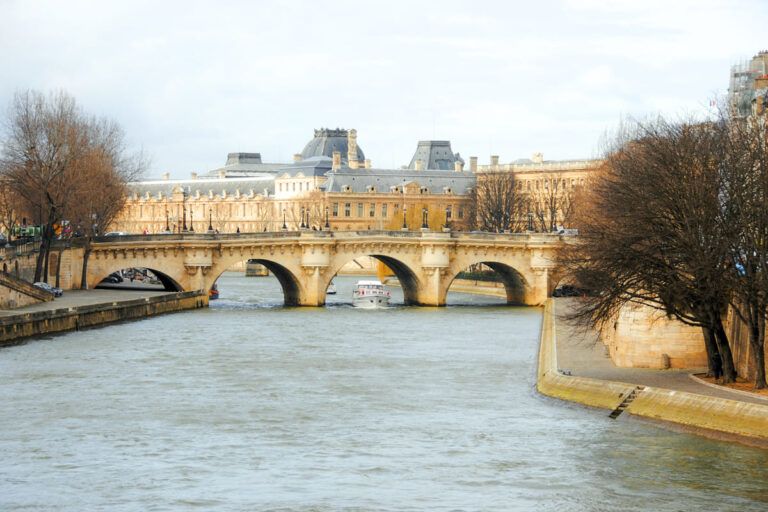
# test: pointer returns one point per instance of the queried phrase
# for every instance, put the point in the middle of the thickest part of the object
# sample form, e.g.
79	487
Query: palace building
329	185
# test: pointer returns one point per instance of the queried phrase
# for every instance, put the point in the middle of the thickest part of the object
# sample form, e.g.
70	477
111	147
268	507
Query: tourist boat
370	294
213	293
331	289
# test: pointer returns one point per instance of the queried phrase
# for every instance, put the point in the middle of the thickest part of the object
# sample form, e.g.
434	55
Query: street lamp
302	218
210	220
184	209
327	224
405	226
307	222
167	222
530	221
191	225
424	213
285	226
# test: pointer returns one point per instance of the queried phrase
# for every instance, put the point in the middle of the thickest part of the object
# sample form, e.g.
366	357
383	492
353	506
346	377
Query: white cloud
192	81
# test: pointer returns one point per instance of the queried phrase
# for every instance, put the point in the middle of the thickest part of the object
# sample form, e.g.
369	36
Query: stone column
352	149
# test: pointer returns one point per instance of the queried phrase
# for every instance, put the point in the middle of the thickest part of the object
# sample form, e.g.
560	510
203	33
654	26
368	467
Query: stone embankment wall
746	420
643	337
738	335
17	327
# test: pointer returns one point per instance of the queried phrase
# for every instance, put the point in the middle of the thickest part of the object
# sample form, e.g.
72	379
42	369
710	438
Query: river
252	406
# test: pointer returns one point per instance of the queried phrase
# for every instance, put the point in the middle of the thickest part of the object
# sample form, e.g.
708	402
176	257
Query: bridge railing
344	235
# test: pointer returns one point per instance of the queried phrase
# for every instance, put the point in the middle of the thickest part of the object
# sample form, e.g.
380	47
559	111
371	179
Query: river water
252	406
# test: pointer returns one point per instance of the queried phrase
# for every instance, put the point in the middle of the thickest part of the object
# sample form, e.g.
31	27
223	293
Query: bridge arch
517	287
169	283
293	291
407	277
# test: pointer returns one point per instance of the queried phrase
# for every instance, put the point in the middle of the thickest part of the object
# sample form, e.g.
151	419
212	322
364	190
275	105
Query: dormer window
448	190
371	189
424	190
346	188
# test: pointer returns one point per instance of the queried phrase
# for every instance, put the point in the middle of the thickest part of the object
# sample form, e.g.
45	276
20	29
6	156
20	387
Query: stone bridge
305	262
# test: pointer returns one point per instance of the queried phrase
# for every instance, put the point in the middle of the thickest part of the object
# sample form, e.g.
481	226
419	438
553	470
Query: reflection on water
252	406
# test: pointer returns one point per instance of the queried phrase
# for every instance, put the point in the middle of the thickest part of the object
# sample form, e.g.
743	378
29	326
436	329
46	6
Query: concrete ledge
15	328
700	412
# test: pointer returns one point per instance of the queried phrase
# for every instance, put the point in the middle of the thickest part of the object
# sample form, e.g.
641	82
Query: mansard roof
385	180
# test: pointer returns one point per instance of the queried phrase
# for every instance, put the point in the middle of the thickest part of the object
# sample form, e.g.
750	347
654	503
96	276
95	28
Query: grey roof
435	154
241	165
383	180
326	141
314	166
230	186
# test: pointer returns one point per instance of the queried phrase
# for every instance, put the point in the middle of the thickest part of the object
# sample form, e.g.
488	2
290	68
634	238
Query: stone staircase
15	292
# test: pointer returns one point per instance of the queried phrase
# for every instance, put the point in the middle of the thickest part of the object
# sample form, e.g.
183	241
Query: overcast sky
193	81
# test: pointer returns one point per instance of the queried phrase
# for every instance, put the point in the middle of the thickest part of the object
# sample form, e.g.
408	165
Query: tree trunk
726	356
46	266
84	274
756	342
715	367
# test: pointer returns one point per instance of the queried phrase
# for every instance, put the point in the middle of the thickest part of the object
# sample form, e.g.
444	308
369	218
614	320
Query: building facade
328	185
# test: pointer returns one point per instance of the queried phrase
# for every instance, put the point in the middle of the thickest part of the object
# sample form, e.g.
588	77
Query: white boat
370	294
331	289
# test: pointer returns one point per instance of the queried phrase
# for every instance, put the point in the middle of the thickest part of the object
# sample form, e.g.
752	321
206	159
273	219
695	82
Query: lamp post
191	225
210	220
167	222
327	224
424	213
405	226
302	226
285	226
307	222
184	209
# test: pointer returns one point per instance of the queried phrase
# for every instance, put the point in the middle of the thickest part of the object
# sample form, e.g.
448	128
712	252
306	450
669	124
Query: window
347	208
448	213
359	209
372	210
335	209
384	210
461	212
294	186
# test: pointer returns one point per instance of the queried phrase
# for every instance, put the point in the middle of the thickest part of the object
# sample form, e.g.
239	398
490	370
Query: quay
81	309
573	366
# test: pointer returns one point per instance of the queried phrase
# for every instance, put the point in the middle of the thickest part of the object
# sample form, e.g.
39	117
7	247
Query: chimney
166	176
473	164
194	175
367	163
297	157
458	166
352	148
336	161
419	165
494	160
538	158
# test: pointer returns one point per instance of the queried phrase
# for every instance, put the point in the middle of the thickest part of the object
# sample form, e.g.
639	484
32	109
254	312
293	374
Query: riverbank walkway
583	355
77	298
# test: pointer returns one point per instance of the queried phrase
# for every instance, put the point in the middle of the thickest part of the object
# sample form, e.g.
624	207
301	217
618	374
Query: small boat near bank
370	294
331	289
213	293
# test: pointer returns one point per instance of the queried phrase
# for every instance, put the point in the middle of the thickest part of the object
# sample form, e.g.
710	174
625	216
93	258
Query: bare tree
496	203
103	170
64	166
657	234
44	137
745	201
551	201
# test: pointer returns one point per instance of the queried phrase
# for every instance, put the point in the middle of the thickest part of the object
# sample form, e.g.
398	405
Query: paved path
72	298
582	354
